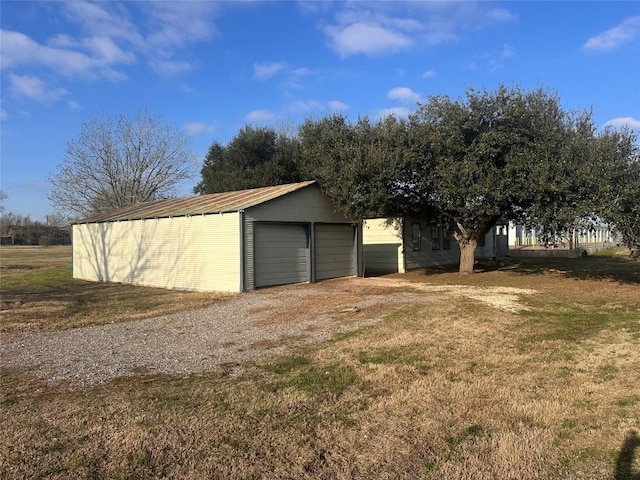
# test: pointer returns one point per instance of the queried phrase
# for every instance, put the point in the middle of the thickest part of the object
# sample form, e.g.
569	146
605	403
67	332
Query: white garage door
281	254
335	252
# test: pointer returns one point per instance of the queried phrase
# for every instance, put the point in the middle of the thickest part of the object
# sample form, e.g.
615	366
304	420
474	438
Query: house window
435	238
446	240
416	237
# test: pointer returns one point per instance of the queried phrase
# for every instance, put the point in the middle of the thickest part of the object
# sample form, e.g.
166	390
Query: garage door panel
281	254
335	252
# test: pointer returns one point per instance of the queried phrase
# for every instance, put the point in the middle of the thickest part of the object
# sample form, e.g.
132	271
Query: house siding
389	246
427	256
383	246
188	253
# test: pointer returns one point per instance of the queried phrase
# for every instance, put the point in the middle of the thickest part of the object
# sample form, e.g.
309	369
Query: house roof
199	205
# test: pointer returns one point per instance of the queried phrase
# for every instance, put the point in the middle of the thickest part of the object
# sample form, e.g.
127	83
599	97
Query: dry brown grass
337	298
449	388
38	293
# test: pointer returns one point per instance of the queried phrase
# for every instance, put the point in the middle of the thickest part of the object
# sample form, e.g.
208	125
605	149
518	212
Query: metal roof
198	205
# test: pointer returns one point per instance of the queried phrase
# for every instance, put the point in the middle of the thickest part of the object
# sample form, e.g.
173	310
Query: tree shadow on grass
624	464
68	291
612	268
616	269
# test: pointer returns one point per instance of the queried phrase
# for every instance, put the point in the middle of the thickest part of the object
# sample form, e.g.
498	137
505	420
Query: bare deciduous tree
3	197
117	161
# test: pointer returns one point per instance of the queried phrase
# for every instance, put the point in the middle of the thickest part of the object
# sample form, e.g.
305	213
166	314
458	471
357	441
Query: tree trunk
572	245
467	256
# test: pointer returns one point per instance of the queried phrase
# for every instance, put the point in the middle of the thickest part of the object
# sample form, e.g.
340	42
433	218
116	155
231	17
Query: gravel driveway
236	329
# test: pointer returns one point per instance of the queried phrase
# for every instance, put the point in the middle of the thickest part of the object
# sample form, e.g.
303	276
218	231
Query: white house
233	241
401	244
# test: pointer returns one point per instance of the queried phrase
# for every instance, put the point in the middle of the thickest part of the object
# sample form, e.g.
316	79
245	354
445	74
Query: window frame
435	238
416	237
446	240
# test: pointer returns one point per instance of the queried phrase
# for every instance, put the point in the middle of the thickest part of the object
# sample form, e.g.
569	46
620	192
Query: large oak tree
466	164
480	160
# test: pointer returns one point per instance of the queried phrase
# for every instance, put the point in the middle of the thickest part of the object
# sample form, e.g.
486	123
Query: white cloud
73	105
501	15
260	116
305	106
295	77
178	24
493	60
621	122
300	72
337	105
429	74
106	50
21	51
170	67
615	37
508	51
398	112
289	77
103	19
33	88
313	8
374	28
404	95
266	70
188	89
3	115
195	128
367	38
109	39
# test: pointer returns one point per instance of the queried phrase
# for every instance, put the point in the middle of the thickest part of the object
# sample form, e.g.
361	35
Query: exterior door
335	252
281	254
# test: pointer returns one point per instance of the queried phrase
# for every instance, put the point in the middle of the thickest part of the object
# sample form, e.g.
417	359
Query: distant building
34	234
591	238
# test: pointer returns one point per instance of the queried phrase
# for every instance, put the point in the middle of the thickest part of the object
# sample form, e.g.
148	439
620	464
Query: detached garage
232	241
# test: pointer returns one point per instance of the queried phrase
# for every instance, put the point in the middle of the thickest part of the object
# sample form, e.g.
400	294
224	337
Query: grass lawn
437	390
39	293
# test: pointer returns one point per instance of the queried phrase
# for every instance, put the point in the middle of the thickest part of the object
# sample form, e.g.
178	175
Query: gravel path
241	328
237	329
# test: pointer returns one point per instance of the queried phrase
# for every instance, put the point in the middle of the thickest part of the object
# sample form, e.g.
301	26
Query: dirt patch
503	298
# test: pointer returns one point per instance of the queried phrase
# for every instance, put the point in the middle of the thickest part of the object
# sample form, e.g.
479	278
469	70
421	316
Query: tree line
16	229
464	164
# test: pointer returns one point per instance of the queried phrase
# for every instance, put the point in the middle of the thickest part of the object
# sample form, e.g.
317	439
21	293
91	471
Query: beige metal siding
192	253
281	254
302	206
335	254
382	244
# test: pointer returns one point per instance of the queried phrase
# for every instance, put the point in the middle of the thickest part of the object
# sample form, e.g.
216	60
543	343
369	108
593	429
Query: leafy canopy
255	157
467	164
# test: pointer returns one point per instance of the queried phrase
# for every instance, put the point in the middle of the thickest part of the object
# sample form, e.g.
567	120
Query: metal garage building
233	241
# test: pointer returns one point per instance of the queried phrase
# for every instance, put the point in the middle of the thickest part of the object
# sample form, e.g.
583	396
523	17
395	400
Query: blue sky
212	67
